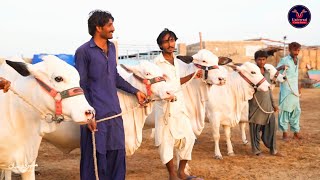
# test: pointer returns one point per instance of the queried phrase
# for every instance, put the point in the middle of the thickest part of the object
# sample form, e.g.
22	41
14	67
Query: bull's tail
2	173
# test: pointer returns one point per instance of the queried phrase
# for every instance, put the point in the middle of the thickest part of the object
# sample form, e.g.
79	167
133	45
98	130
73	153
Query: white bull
227	103
67	135
46	86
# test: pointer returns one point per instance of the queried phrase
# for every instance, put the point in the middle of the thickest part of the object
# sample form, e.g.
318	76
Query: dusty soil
301	161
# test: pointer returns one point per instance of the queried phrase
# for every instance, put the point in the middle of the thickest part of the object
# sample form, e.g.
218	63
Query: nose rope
287	80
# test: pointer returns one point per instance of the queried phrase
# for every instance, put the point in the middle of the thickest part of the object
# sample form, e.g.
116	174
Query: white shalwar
172	124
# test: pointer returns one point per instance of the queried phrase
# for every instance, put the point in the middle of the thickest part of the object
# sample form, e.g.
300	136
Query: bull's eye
148	74
204	61
58	79
252	72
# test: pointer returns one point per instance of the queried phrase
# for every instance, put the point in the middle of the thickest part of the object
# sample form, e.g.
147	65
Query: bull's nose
221	78
90	114
169	93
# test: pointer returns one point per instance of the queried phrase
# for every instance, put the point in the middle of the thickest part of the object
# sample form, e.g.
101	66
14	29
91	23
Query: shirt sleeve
81	64
282	62
124	85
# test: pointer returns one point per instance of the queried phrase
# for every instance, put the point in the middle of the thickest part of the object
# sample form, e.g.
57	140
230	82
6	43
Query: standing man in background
263	119
96	63
290	92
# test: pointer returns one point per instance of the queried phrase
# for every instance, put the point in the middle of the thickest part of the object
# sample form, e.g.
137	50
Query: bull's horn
125	68
234	67
186	59
224	60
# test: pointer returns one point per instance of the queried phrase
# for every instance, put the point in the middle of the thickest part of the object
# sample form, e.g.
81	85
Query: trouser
183	147
111	166
293	118
268	136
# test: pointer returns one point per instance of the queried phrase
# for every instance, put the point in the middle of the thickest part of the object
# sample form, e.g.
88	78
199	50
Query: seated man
4	84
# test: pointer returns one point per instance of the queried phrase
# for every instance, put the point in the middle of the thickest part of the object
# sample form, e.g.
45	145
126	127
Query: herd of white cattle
29	109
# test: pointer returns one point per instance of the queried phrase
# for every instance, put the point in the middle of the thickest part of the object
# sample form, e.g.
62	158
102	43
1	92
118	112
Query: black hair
294	45
260	53
163	33
98	18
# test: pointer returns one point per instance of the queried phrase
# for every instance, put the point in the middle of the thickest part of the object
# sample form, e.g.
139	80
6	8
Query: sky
59	27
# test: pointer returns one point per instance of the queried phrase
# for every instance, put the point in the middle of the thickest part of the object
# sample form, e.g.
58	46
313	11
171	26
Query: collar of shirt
93	44
161	59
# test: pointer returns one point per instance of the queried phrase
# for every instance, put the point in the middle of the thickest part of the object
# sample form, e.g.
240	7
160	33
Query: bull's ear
234	67
224	60
20	67
186	59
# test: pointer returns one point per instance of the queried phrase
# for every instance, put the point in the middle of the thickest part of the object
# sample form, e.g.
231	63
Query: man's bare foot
174	177
285	136
278	154
297	136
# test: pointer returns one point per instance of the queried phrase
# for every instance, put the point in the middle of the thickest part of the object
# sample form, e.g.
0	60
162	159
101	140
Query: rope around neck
26	101
261	107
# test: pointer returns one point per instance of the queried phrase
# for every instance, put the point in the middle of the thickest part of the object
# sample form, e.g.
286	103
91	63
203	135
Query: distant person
4	84
173	129
262	119
290	91
96	63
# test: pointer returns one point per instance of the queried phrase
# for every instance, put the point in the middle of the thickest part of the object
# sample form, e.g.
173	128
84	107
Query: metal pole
284	45
200	36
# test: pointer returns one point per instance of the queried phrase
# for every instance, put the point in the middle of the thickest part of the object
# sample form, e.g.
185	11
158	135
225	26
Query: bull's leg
30	174
7	174
227	131
243	133
216	137
152	134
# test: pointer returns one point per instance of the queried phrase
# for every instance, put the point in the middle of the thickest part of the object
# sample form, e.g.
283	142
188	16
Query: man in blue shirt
96	63
289	100
4	84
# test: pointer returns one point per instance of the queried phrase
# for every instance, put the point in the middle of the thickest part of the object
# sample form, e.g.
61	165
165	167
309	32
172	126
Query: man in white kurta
173	129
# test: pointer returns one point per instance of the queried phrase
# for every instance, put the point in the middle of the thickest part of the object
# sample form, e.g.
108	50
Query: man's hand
141	97
299	90
283	67
92	125
276	108
4	84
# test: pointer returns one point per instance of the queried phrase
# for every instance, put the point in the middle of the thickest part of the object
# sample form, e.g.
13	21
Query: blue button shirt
99	79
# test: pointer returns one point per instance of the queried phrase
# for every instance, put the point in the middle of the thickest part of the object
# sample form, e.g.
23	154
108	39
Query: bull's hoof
231	154
246	142
219	157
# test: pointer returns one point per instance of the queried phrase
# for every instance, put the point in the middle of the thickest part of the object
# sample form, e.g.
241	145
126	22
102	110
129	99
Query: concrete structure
239	51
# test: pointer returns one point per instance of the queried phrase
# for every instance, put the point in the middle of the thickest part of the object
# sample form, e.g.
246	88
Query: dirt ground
301	161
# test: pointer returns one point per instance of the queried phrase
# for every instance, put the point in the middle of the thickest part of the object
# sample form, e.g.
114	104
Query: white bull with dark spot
52	87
